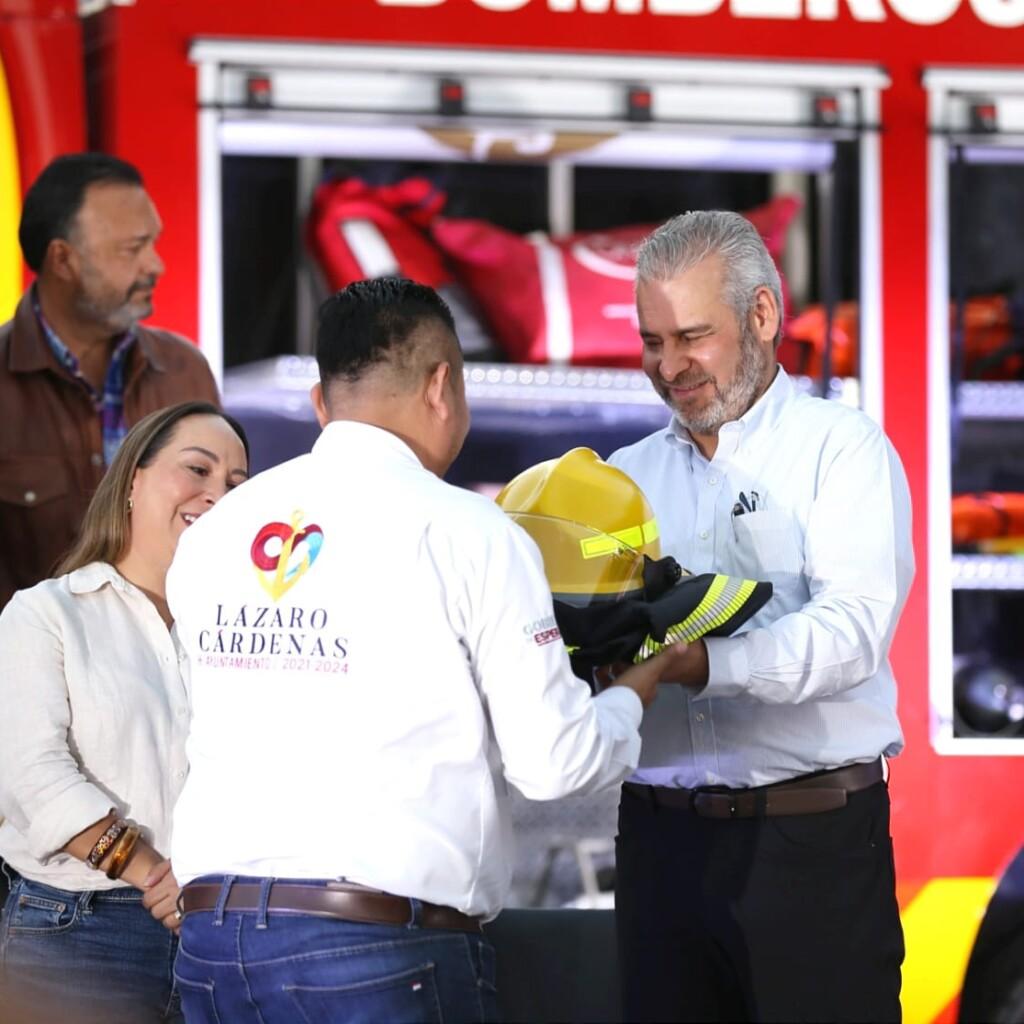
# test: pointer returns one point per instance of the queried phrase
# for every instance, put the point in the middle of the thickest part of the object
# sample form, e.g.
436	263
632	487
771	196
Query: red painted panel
153	125
39	9
41	50
904	317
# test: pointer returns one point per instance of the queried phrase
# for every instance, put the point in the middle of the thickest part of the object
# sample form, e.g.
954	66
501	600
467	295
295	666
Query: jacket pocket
30	482
768	544
37	909
41	510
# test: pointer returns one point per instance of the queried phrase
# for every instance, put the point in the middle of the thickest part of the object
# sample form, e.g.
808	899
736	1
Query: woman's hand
160	891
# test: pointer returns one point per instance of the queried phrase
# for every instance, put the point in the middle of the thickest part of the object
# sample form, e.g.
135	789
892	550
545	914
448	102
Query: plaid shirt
110	403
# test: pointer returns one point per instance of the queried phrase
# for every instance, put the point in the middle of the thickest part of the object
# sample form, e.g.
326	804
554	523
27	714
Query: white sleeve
554	737
859	563
43	792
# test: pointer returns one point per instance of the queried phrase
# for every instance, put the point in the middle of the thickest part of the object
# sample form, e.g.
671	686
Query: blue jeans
84	958
242	966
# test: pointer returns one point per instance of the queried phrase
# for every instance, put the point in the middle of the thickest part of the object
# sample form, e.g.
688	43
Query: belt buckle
733	809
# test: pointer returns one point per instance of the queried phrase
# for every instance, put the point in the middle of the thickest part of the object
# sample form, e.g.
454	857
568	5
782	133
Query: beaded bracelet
105	842
122	852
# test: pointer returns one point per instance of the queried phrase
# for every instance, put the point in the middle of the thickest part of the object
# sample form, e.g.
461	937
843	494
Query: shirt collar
768	409
761	416
145	342
94	576
63	353
30	349
350	437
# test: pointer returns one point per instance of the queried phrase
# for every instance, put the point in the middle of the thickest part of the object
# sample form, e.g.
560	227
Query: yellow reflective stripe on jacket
723	599
608	543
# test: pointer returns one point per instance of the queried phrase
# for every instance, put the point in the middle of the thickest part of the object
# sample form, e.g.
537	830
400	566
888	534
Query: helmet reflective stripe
634	537
723	599
591	522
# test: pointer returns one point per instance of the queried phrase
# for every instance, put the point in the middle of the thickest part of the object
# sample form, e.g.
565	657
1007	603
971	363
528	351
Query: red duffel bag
567	300
356	230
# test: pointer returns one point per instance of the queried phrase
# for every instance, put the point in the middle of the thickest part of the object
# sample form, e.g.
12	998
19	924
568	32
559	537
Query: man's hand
160	895
677	663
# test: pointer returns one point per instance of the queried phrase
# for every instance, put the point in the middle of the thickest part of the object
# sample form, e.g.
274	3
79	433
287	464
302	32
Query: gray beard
732	401
117	320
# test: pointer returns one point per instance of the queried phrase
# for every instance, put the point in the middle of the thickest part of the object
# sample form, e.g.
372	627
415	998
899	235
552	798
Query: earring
131	505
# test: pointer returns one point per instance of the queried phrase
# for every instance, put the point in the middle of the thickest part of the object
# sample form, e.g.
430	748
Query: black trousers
758	919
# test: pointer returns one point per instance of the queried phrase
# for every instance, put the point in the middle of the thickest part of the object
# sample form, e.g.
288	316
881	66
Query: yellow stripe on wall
10	208
939	927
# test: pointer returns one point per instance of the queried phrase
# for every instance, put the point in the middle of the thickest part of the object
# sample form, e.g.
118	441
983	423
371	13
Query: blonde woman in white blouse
92	737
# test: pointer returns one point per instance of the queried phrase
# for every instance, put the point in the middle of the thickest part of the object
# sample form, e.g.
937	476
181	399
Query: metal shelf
991	400
501	384
496	382
988	572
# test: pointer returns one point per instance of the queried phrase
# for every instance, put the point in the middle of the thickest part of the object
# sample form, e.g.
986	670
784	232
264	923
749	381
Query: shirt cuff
625	700
728	667
53	826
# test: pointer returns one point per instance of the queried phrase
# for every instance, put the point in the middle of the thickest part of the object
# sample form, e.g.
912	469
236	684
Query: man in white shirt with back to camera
373	655
754	865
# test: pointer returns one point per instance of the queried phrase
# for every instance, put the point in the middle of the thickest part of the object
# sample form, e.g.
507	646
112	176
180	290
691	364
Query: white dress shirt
94	718
806	684
358	717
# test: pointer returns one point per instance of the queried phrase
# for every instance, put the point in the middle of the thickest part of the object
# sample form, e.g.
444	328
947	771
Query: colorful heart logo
283	553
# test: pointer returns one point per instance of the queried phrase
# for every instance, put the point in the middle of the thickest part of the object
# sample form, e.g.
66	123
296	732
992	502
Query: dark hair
105	528
369	322
56	196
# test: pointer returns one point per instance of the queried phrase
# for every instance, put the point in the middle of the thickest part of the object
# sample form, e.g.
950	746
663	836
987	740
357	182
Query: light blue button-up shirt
806	685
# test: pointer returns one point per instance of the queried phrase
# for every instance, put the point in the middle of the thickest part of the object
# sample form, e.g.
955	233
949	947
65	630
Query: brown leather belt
340	900
806	794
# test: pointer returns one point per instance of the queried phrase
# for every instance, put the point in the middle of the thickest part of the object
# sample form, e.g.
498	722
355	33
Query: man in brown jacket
76	369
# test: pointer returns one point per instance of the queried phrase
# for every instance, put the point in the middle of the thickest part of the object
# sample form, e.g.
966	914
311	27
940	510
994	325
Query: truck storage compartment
977	388
565	161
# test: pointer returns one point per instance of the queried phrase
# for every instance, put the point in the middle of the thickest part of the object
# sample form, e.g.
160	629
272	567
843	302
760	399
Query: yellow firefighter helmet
591	522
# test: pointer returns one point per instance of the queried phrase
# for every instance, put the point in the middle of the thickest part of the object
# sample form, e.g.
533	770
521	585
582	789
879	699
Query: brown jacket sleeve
51	444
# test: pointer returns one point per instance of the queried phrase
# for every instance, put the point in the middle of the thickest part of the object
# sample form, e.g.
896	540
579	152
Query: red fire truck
899	126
